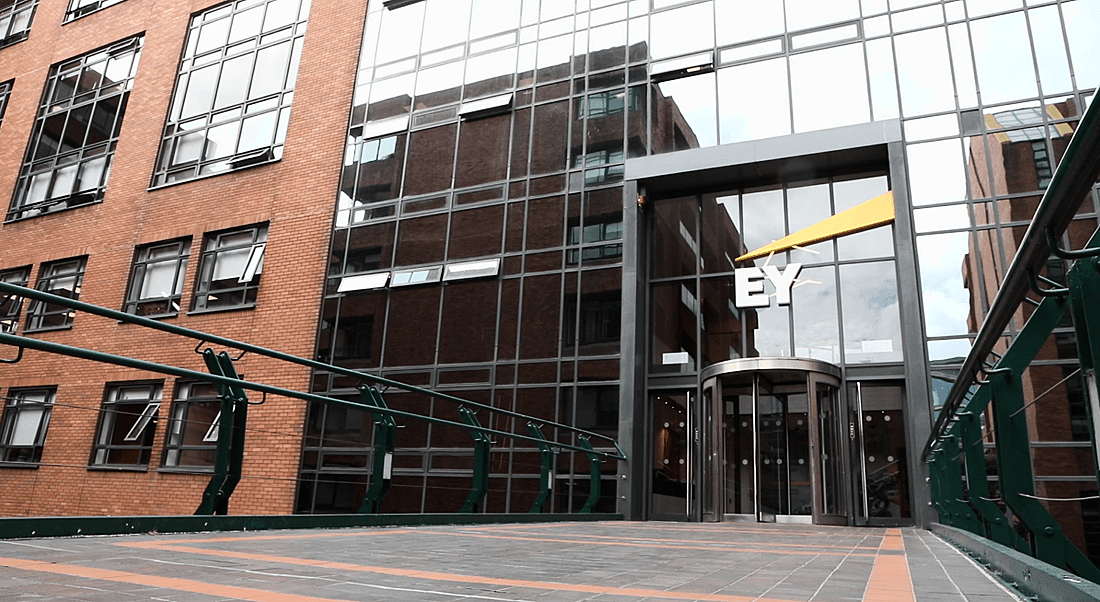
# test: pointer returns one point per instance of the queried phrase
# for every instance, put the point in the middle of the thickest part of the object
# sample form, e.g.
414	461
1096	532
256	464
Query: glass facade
494	138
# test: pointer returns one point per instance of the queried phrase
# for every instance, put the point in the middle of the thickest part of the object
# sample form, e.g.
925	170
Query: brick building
113	241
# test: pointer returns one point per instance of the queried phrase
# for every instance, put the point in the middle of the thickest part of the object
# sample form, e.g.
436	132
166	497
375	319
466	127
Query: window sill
118	468
50	329
150	316
21	465
11	220
217	310
198	470
216	174
14	39
79	14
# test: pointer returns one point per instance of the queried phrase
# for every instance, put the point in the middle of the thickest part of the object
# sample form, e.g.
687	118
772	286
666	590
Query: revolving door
773	442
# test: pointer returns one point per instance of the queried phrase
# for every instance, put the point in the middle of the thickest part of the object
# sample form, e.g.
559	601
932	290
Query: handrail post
1018	483
385	434
1084	286
546	474
232	423
956	497
594	475
482	444
935	478
996	523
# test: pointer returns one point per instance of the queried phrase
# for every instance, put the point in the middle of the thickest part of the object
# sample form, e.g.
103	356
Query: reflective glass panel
924	63
721	236
675	235
762	215
829	88
469	322
491	73
721	330
963	61
768	332
1004	64
816	326
667	30
399	35
877	242
673	320
1082	19
493	16
942	259
743	20
445	24
803	14
872	323
1050	50
978	8
806	206
759	110
431	160
937	173
684	114
884	89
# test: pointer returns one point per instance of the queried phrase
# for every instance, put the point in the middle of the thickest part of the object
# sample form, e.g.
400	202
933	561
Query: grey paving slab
560	562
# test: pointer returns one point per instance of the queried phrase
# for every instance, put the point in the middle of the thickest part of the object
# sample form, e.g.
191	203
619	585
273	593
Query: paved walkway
560	562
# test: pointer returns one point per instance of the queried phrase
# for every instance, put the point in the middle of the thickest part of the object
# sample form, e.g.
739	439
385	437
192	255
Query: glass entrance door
831	429
774	442
876	421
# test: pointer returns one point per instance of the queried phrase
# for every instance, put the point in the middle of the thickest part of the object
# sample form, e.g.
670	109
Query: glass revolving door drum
777	434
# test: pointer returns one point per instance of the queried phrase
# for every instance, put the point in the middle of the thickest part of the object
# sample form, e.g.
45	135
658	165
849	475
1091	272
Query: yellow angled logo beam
864	216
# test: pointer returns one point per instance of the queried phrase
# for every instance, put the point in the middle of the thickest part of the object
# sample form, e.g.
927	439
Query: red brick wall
296	197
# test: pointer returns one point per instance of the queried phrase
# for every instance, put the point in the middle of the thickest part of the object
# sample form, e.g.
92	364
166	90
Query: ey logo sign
749	282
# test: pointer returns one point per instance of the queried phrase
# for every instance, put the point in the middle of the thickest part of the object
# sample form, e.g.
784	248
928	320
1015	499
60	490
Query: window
593	234
61	278
11	305
600	315
5	90
127	425
232	100
229	276
156	281
69	155
26	417
611	102
15	20
79	8
193	433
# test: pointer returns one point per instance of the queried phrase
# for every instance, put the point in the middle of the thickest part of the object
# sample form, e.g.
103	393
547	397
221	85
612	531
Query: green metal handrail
22	341
30	293
108	358
385	435
955	449
232	422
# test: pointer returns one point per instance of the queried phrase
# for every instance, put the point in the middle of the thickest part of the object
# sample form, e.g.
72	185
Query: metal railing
232	424
955	451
